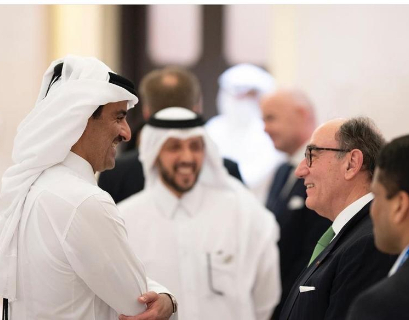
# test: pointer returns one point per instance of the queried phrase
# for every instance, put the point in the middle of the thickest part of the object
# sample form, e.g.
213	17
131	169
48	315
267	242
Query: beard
169	178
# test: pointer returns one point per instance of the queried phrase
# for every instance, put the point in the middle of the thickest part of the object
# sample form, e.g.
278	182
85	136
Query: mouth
116	142
309	185
185	169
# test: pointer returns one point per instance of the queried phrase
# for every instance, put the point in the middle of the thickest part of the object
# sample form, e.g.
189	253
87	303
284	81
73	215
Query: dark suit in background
300	230
127	177
386	300
348	266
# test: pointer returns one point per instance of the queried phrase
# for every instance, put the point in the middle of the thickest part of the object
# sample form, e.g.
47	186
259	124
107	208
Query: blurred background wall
350	59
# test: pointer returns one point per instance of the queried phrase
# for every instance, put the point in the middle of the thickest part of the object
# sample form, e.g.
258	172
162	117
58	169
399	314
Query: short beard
170	181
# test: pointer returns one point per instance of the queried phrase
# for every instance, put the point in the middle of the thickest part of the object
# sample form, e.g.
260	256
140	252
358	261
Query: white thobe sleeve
267	287
97	248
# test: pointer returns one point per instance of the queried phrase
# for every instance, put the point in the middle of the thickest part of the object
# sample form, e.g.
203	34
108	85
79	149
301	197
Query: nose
125	131
186	155
302	169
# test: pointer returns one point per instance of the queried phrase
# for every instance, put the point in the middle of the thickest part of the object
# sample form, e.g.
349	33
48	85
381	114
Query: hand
159	307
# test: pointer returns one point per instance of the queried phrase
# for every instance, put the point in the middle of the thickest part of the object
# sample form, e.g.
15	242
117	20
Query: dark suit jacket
300	230
127	177
349	265
386	300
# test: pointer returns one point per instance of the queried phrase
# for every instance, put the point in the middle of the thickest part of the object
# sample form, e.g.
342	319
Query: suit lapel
306	274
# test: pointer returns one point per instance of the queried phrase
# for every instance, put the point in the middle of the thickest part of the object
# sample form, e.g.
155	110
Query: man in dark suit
337	171
289	120
389	298
159	89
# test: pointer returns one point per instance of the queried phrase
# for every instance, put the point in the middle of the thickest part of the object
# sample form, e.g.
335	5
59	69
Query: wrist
173	301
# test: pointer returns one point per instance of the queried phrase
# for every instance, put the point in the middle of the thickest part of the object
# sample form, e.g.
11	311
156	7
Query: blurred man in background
159	89
238	130
289	121
199	229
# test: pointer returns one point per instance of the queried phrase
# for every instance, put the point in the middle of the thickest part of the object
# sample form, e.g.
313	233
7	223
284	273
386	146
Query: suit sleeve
360	266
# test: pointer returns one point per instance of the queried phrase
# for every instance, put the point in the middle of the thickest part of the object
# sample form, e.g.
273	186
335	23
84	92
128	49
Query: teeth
310	185
185	170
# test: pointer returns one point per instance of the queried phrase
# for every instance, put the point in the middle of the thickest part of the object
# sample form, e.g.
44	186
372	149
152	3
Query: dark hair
393	165
361	133
170	87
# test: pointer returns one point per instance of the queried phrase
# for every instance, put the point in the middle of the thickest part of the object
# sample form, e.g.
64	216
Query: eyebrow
121	113
311	146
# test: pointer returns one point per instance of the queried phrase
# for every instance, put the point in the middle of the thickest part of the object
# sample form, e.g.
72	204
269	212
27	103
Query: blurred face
381	214
282	122
179	163
102	135
325	178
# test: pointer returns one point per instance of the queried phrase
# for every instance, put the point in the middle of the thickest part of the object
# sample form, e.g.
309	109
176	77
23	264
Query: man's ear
355	159
400	207
146	113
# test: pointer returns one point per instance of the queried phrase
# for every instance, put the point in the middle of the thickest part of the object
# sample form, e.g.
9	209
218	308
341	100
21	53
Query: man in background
289	121
337	171
198	228
161	88
389	298
238	129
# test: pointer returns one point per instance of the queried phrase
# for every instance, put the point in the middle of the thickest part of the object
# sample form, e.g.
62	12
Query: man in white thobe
238	129
64	252
199	231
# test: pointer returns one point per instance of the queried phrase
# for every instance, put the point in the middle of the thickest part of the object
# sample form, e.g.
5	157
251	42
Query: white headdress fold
44	138
213	172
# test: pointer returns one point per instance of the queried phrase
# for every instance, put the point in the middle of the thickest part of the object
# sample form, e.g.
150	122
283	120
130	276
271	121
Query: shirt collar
397	263
342	219
80	166
168	203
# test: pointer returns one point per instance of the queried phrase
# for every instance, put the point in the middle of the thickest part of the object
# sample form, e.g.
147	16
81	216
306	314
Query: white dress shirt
217	252
74	258
347	214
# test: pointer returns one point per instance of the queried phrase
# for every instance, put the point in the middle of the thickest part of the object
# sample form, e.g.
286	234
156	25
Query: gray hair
361	133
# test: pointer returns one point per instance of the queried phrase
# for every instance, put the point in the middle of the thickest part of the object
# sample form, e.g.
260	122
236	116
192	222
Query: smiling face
179	163
102	135
325	178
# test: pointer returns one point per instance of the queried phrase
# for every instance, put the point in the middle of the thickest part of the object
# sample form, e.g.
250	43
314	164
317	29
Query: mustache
119	139
185	165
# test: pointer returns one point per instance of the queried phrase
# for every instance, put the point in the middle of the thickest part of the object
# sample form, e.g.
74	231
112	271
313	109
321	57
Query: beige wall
351	59
31	37
23	59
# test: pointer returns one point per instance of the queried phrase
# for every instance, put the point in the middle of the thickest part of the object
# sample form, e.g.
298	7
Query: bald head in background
289	119
170	87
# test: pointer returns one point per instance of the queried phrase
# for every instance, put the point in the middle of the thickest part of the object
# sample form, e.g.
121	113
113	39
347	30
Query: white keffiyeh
44	138
212	173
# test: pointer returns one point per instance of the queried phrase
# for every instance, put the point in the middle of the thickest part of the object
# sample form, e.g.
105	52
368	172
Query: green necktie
322	243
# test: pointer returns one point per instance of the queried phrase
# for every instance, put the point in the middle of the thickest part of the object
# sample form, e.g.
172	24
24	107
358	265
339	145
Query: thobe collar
342	219
81	166
168	203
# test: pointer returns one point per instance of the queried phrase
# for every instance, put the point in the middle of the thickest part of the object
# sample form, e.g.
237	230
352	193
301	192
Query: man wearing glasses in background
337	171
199	230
